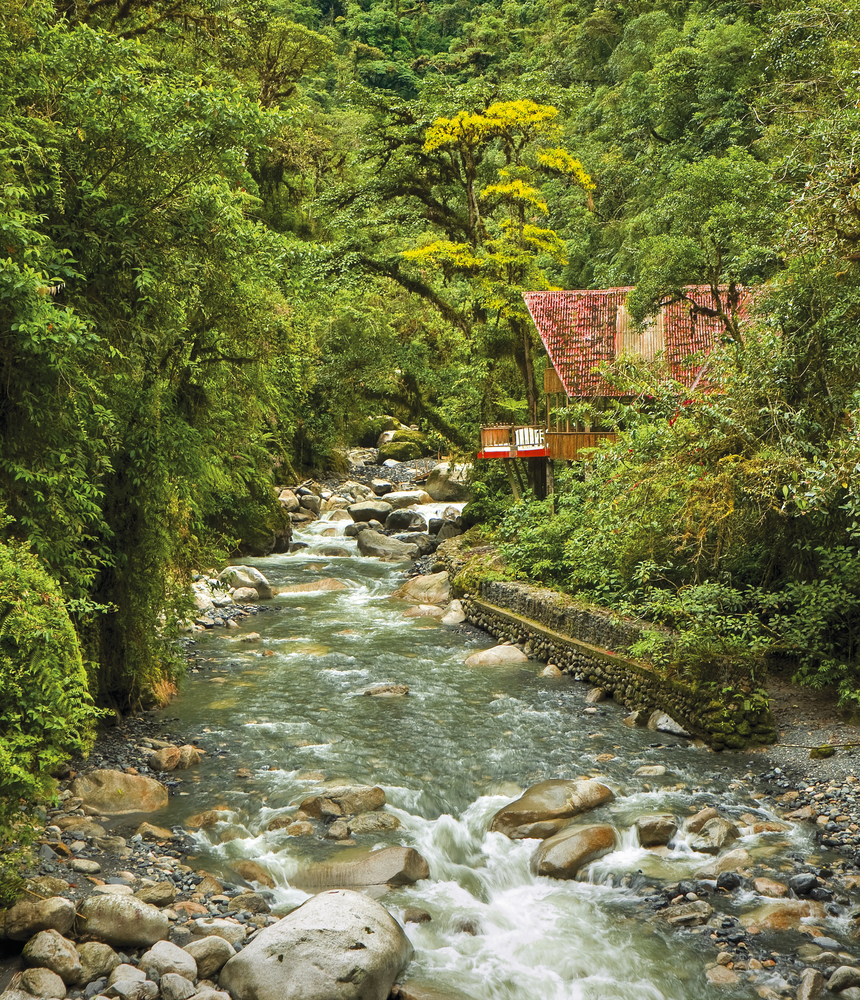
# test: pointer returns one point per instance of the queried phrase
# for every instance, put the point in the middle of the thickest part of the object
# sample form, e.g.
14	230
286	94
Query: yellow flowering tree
500	159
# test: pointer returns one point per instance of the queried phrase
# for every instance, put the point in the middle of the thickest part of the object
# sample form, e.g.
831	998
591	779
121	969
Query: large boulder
497	656
376	871
403	446
563	855
374	543
370	510
407	498
42	983
50	950
548	807
27	917
337	946
405	519
434	588
448	483
656	831
115	793
123	921
247	576
782	914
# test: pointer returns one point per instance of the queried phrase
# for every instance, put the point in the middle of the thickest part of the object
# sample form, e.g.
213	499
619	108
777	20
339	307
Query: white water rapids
463	743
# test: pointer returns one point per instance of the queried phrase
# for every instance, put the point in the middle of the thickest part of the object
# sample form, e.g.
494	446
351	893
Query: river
289	709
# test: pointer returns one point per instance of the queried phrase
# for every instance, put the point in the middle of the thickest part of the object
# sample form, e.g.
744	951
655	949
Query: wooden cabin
582	329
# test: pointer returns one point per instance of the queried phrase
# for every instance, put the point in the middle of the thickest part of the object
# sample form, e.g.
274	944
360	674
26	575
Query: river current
290	709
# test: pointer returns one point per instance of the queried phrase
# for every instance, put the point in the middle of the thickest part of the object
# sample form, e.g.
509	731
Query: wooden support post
520	477
514	488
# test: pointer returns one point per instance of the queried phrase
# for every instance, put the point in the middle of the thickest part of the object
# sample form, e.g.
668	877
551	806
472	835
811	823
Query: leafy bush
46	712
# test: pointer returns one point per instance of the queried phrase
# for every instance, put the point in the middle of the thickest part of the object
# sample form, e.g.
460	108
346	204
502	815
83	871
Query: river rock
728	862
210	954
390	867
370	510
434	588
311	503
722	977
407	498
424	611
246	576
27	917
115	793
661	722
42	983
244	595
550	670
289	501
325	583
207	819
843	978
782	914
811	984
387	691
547	807
374	822
455	615
164	957
695	823
449	483
123	921
656	831
420	539
164	760
376	545
714	836
687	914
126	972
250	871
649	771
768	887
562	855
50	950
229	930
202	595
336	516
337	946
97	960
497	656
448	530
176	987
405	520
348	800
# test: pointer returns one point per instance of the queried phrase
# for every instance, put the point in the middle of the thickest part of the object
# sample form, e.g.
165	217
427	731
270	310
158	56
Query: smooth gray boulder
377	870
448	483
115	793
50	950
339	945
246	576
370	510
379	546
548	807
843	978
230	930
27	917
211	955
563	855
123	921
164	957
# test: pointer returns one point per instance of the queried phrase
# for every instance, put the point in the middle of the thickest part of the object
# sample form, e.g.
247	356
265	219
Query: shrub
46	711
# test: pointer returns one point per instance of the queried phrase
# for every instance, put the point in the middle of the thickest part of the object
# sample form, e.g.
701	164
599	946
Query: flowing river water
464	742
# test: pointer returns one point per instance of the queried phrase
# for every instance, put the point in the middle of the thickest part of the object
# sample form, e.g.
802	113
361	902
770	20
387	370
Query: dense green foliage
46	711
231	234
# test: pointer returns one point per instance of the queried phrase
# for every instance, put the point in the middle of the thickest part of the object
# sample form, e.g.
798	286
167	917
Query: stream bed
285	716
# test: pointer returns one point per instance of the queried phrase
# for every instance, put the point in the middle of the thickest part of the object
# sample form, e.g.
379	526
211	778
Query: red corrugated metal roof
579	331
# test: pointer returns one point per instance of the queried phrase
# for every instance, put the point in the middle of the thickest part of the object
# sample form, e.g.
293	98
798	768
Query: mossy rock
404	446
366	433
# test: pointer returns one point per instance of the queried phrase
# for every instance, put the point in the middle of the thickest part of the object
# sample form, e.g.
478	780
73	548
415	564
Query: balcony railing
520	441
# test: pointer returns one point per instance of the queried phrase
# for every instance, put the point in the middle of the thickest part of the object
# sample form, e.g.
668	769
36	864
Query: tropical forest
242	239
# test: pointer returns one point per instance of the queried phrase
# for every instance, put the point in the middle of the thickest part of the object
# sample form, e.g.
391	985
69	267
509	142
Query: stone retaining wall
592	644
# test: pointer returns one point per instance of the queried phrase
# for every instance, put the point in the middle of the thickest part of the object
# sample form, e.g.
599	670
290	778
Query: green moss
405	446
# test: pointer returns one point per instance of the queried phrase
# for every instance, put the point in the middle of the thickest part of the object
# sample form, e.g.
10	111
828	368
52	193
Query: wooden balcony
521	441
